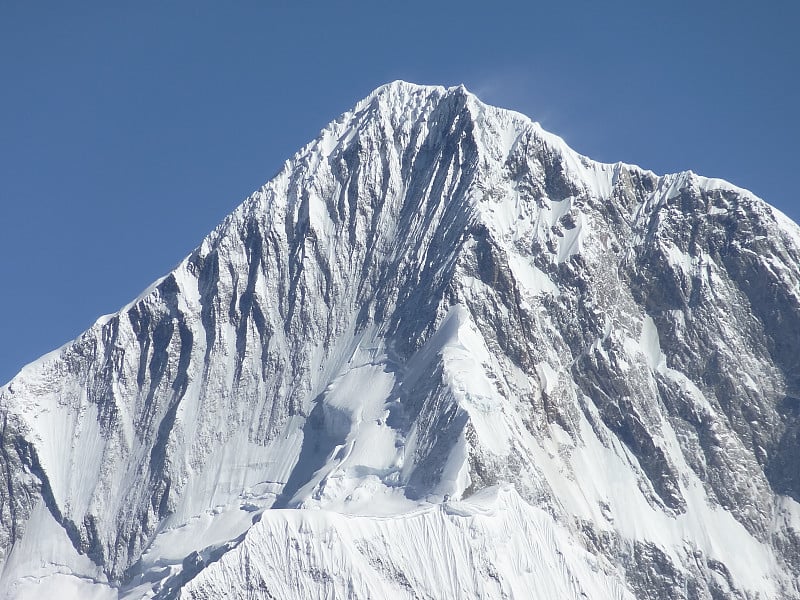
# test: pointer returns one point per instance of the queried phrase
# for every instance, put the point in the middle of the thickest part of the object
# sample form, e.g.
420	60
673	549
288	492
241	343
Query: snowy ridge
437	327
522	555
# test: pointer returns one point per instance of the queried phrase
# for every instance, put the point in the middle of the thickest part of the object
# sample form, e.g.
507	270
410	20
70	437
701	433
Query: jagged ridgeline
439	355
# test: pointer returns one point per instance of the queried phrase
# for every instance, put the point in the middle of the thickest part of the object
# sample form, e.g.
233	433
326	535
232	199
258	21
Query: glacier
439	355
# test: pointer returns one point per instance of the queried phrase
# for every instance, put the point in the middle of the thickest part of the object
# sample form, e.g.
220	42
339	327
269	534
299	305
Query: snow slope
439	355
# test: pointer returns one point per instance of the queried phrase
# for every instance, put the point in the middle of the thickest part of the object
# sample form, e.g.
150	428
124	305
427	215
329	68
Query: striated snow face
439	355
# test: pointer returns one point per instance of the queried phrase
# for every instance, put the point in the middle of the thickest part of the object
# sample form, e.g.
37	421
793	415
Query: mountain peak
400	88
432	302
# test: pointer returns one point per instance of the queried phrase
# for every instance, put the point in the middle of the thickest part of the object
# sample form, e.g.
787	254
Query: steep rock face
433	300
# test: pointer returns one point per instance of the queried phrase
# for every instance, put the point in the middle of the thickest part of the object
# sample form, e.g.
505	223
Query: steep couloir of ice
440	354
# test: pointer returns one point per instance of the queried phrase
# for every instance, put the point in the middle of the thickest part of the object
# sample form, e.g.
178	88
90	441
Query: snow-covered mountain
439	355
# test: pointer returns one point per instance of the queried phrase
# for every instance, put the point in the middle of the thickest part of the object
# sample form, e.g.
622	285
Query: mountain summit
439	355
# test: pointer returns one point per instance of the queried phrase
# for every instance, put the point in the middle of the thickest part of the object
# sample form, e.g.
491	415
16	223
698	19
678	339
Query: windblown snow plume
439	355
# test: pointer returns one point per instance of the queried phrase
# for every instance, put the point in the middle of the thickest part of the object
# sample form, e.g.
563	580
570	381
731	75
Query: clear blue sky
129	130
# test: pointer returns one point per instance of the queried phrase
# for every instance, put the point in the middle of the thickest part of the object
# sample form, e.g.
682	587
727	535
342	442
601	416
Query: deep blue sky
128	132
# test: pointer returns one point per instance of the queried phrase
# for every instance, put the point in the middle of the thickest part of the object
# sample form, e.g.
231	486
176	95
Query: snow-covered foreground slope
439	355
